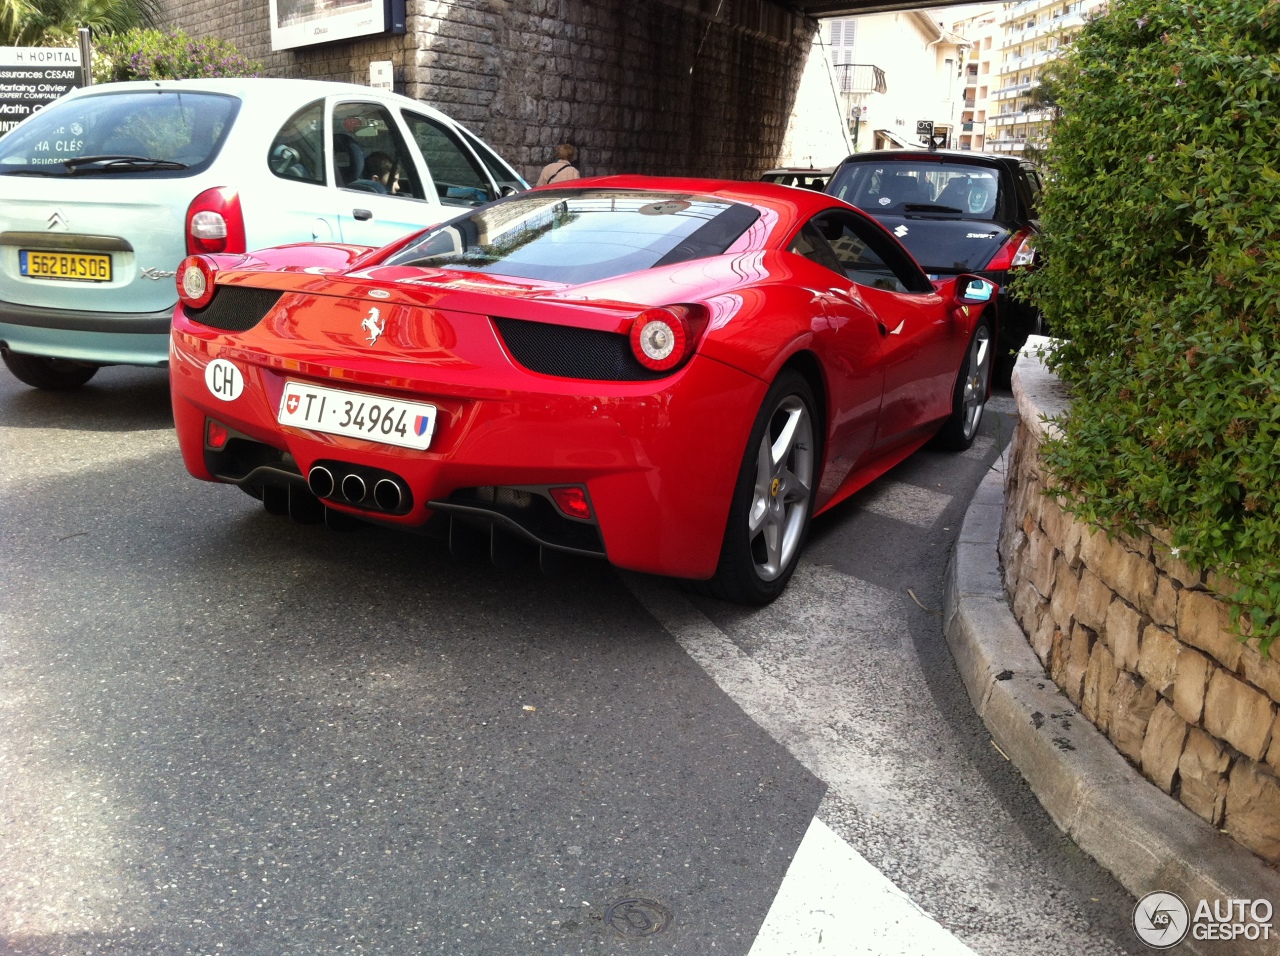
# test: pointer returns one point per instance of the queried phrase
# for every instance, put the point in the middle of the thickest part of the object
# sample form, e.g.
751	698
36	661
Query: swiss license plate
80	266
356	415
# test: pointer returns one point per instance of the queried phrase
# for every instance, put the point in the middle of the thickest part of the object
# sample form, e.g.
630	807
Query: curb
1143	837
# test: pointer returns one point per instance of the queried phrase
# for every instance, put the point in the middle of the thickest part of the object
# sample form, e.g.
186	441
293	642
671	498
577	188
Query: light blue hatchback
103	193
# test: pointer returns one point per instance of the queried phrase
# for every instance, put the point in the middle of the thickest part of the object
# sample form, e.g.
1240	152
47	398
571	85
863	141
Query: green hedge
153	55
1162	273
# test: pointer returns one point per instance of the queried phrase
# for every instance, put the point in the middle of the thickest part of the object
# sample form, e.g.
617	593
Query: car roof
791	205
803	202
961	156
256	91
800	171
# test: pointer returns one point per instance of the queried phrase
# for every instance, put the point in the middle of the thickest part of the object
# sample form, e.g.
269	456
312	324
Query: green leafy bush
1162	272
152	55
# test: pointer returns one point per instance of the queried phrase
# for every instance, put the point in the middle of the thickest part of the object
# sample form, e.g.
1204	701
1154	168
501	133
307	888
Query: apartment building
984	31
1032	34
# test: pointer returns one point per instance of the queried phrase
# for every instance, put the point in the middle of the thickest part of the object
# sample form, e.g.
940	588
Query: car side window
459	179
867	256
499	171
810	244
369	154
1034	186
297	152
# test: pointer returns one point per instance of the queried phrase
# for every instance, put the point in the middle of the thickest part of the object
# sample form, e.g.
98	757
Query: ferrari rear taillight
662	339
1018	252
195	281
215	223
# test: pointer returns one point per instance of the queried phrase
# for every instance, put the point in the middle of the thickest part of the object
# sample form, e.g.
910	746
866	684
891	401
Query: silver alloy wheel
784	479
978	374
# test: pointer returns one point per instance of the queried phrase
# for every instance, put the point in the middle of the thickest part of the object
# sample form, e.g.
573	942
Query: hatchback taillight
1018	252
215	223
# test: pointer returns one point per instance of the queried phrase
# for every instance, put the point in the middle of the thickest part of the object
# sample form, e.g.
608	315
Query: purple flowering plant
155	55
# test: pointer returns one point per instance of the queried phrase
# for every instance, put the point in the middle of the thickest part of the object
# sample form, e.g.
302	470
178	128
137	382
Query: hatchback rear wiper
122	164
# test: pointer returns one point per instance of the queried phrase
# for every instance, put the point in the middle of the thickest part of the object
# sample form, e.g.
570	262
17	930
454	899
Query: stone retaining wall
1142	644
664	87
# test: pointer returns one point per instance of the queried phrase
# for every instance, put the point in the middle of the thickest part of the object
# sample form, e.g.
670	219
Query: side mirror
972	290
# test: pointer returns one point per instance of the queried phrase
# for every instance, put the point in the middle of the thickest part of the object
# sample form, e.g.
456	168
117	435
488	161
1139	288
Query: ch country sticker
223	380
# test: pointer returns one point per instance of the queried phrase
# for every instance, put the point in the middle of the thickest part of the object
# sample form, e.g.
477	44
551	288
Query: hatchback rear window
179	133
956	189
582	235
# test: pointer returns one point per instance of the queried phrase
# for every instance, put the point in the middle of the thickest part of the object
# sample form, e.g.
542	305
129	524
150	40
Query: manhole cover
637	917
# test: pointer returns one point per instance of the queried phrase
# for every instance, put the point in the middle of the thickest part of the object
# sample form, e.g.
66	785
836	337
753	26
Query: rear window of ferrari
576	236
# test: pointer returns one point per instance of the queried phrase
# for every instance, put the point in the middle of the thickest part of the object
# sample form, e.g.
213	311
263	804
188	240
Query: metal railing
860	78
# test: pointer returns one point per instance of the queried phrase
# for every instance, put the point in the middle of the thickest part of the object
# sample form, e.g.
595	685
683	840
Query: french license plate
80	266
371	417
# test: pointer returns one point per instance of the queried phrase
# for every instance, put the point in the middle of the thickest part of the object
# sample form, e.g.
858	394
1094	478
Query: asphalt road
222	732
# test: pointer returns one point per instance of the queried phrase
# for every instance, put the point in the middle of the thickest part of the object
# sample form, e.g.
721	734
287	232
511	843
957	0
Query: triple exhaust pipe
386	493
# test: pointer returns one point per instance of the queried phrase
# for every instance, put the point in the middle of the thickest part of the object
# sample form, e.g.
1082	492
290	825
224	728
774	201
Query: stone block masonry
664	87
1143	645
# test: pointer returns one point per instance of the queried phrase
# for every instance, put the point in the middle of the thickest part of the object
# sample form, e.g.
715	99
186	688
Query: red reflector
216	435
572	501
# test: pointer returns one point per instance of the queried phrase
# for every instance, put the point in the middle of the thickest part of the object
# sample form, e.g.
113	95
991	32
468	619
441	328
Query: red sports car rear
673	375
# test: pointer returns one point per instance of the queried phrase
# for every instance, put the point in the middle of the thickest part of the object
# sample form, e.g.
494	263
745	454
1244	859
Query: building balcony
968	102
860	78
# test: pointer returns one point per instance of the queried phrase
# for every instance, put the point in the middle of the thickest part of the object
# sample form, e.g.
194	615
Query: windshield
582	235
180	132
927	188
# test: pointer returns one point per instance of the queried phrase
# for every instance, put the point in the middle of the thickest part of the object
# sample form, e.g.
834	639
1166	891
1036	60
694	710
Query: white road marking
803	716
832	902
1002	403
831	671
902	502
980	449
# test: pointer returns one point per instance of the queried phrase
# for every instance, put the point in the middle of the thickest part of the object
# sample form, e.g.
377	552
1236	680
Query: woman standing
562	170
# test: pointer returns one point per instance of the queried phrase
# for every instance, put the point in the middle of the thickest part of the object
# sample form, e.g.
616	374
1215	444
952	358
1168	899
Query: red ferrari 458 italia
671	374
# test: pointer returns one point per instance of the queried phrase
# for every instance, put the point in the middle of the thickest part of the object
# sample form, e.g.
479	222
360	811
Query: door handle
364	215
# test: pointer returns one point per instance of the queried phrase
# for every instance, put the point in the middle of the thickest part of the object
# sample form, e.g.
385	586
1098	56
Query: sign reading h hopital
33	77
297	23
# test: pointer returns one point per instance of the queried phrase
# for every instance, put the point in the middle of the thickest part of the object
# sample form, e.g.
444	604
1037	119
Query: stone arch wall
1142	644
664	87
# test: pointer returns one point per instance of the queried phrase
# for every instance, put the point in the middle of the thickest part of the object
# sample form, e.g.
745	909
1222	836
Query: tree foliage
55	22
152	55
1162	274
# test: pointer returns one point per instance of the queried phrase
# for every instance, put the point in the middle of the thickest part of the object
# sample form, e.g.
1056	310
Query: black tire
773	497
969	399
52	374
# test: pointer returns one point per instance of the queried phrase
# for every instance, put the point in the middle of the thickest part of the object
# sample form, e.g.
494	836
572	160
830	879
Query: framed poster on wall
299	23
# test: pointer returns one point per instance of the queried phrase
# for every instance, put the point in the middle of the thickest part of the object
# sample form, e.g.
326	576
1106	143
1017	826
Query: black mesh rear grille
235	308
573	353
